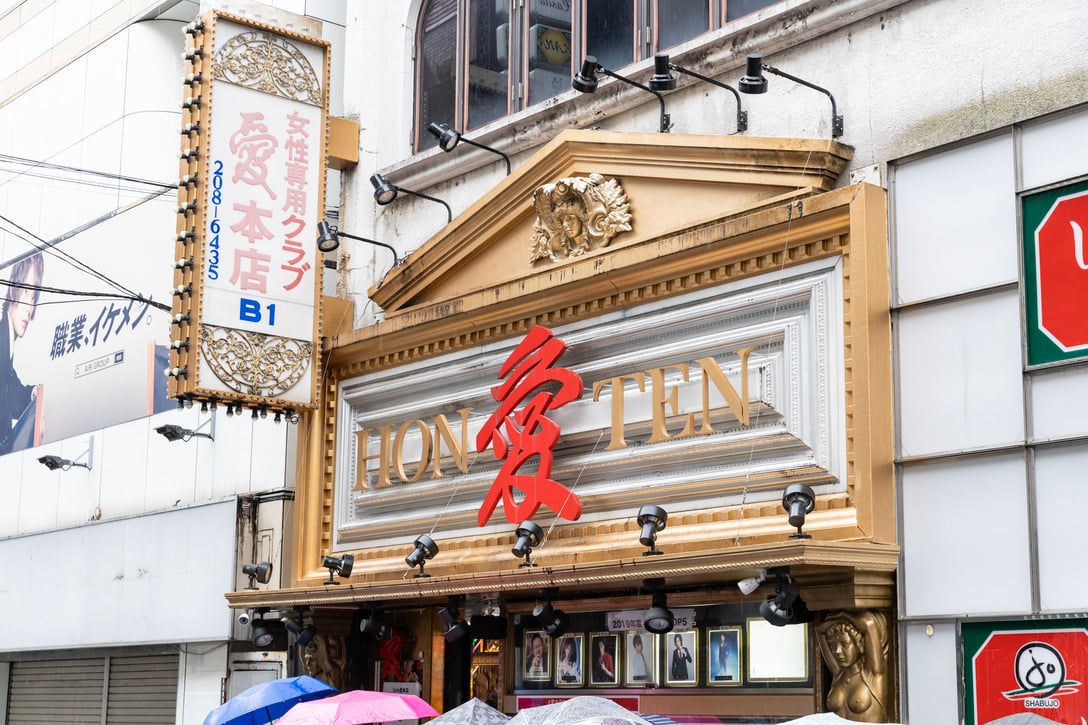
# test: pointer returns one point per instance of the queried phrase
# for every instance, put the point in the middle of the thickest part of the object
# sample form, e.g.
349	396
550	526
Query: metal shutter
57	691
143	690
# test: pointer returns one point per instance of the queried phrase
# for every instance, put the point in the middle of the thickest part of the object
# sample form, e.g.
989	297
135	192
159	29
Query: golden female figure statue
855	647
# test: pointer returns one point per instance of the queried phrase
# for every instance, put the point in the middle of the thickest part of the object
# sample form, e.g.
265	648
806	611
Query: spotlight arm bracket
421	195
742	115
836	119
396	258
665	120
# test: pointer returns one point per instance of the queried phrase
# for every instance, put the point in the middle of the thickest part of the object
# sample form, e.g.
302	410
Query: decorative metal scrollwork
268	63
254	364
577	215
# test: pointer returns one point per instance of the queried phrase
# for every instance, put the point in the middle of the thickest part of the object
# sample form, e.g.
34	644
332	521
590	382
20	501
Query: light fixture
328	240
657	619
652	519
585	81
261	572
754	82
750	584
553	621
425	550
785	606
529	536
663	80
54	463
372	622
303	633
261	635
448	139
455	627
798	500
341	566
173	432
385	192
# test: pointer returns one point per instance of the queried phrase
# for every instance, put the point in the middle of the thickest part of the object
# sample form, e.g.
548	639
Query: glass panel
679	20
1061	499
610	32
549	49
437	94
1055	150
488	62
738	8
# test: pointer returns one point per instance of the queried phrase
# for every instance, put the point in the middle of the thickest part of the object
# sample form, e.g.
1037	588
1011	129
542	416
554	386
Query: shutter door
56	691
143	690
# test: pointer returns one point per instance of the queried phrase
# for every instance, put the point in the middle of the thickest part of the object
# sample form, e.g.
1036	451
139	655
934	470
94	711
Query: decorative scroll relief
577	215
254	364
270	64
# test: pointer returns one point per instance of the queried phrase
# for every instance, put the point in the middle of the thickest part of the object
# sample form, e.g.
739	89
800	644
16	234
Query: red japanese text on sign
529	432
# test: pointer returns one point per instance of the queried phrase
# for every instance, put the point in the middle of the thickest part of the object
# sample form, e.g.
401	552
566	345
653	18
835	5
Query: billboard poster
1056	273
1016	668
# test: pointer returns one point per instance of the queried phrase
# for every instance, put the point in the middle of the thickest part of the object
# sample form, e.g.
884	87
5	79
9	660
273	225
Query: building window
480	60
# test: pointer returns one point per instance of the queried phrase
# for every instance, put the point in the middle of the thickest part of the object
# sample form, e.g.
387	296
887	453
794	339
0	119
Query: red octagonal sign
1062	272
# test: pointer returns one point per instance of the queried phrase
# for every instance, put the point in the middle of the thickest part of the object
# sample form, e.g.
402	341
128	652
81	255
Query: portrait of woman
854	646
723	660
641	658
682	659
569	668
604	651
537	660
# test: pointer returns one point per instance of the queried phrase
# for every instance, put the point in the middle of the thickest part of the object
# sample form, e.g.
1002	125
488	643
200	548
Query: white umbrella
822	718
583	707
473	712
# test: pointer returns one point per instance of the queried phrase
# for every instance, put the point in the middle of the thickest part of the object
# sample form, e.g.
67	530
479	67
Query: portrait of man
604	653
16	397
682	659
641	658
537	648
723	656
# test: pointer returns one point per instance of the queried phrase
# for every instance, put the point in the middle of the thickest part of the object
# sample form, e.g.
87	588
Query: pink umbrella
358	707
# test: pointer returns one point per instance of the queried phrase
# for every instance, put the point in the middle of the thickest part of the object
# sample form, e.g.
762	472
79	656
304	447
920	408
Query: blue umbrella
264	702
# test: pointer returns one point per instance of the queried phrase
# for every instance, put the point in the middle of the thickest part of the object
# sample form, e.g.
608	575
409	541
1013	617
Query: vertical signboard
1056	273
248	273
1037	667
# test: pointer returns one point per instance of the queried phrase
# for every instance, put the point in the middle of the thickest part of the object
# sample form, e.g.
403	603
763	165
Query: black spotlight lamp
328	240
261	572
303	633
448	139
456	628
529	536
56	462
798	500
173	432
554	622
652	519
425	550
663	80
657	619
374	623
261	635
585	81
754	82
341	566
385	192
785	606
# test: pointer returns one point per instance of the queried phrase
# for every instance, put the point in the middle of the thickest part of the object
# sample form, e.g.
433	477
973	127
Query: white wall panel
124	468
1059	399
960	375
1062	502
931	694
143	580
955	221
965	537
1055	150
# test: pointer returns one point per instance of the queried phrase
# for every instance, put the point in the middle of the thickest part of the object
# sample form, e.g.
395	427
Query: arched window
479	60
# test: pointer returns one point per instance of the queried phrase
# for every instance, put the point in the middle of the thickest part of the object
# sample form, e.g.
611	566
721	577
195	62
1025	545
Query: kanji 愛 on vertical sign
531	433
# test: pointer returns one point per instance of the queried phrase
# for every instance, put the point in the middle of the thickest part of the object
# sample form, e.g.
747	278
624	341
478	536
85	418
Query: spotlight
303	634
798	500
373	623
448	139
173	432
385	192
662	80
750	584
556	624
785	606
754	82
425	550
328	239
657	619
455	627
55	462
585	81
261	572
262	636
529	537
652	519
341	566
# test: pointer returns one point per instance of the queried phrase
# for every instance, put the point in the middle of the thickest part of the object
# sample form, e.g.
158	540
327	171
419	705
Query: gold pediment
671	181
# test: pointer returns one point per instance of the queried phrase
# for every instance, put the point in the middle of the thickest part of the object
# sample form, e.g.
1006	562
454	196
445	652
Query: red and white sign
1041	671
1062	272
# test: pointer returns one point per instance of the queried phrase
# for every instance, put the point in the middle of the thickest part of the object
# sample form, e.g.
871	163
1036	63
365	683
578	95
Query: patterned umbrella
583	707
357	708
266	701
473	712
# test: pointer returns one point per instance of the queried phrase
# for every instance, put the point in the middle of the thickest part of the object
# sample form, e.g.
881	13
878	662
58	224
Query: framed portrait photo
569	661
681	658
723	656
640	656
536	655
604	659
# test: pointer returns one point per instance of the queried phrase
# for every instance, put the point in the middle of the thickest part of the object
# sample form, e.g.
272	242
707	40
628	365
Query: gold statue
855	647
